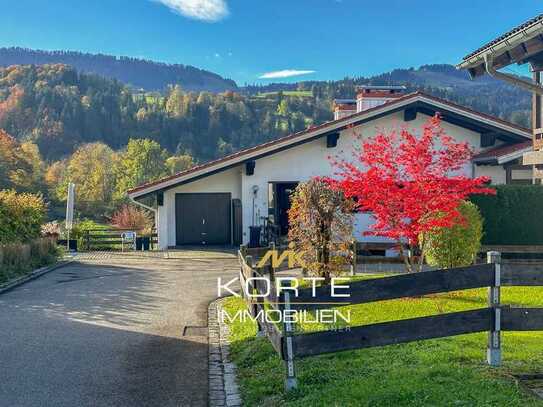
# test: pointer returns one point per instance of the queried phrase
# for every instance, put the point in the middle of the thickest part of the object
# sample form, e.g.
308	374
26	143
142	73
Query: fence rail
394	332
493	319
109	239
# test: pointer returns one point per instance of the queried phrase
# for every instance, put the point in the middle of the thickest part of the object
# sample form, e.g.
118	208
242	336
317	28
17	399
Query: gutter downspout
513	80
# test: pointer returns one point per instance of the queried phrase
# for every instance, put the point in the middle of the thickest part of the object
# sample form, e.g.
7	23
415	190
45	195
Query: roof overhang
521	45
503	159
422	103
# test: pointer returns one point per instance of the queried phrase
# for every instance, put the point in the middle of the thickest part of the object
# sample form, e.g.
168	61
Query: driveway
110	331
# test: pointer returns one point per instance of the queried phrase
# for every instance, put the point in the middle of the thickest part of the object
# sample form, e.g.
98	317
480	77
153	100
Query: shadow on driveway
93	334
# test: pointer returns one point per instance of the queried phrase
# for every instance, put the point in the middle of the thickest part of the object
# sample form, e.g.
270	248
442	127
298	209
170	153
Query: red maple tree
411	184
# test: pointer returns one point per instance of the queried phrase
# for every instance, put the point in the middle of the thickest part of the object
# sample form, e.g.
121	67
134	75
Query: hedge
514	216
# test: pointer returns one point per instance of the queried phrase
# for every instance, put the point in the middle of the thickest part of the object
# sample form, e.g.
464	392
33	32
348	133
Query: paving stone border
223	386
31	276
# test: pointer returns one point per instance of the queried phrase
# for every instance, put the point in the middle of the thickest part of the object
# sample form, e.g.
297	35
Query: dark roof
505	36
501	151
382	87
297	135
345	101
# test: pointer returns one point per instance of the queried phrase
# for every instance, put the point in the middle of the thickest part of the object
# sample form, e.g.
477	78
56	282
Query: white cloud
206	10
286	73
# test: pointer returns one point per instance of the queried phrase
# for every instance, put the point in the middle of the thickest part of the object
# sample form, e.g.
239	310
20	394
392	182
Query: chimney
343	108
371	96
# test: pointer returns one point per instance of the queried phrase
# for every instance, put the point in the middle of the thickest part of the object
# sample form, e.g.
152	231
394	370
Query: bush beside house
513	215
22	249
458	245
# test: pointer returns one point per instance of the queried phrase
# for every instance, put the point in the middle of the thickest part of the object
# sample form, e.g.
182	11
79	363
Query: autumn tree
132	217
178	163
142	161
91	169
21	166
411	184
320	223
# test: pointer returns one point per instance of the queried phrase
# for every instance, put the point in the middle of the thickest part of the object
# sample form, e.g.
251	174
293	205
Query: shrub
458	245
321	224
131	217
17	259
21	216
51	229
79	230
512	216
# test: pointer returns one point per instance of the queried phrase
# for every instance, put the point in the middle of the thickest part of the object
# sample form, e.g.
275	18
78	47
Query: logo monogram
294	258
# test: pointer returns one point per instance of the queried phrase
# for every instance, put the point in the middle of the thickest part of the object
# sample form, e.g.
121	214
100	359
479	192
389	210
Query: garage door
202	219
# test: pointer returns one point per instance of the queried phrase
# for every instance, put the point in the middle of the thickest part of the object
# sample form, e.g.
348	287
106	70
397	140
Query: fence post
249	287
353	258
243	250
272	267
253	306
87	240
290	382
242	275
493	353
256	301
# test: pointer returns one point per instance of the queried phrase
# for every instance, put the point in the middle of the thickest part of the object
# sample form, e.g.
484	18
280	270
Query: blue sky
247	39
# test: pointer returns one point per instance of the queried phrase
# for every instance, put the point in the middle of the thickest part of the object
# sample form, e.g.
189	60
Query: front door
202	219
283	190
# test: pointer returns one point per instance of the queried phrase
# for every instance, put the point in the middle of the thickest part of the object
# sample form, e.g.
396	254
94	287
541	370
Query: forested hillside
58	125
484	94
138	73
59	109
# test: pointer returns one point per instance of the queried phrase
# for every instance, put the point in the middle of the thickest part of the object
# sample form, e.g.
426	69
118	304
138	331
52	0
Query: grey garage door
202	219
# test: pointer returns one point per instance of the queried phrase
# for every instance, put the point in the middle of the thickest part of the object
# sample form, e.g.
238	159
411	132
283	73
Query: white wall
496	173
300	163
312	159
226	181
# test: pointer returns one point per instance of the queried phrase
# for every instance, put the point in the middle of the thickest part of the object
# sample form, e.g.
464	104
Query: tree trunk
407	264
325	229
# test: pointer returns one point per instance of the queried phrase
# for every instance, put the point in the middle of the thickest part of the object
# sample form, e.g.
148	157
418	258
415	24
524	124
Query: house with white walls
215	203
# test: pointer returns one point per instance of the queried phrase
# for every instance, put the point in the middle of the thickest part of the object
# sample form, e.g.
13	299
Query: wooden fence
493	319
109	239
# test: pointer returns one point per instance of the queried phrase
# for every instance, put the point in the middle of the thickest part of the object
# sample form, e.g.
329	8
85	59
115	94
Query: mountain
485	94
138	73
60	108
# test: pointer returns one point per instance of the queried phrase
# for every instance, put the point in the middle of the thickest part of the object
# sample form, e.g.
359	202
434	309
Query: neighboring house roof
503	154
382	87
515	46
506	36
418	101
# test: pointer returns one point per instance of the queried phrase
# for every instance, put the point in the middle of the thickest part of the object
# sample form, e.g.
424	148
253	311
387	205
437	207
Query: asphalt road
109	332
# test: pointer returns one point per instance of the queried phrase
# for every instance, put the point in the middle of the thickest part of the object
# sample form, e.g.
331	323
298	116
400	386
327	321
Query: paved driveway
109	331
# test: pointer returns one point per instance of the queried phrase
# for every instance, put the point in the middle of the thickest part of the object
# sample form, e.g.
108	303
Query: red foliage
406	180
132	217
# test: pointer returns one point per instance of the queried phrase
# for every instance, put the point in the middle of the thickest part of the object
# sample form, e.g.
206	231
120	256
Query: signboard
70	206
128	238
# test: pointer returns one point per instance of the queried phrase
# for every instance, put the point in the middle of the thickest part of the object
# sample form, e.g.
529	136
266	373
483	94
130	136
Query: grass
441	372
20	259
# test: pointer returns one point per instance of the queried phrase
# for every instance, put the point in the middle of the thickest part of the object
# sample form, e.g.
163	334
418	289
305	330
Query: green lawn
441	372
